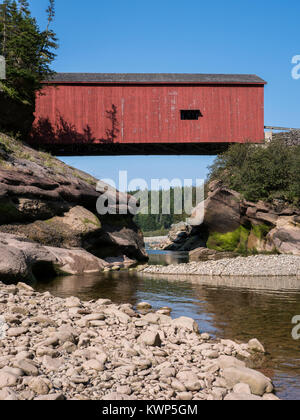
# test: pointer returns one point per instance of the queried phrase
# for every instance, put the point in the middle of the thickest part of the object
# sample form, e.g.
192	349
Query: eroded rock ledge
54	205
54	349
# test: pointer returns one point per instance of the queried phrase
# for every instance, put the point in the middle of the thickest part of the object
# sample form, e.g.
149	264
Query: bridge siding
151	113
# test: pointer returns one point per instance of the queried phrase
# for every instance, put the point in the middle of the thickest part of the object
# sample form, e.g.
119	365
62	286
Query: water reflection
167	257
236	308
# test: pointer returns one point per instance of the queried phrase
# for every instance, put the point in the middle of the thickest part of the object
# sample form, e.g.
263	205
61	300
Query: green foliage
27	49
161	223
261	172
230	242
261	231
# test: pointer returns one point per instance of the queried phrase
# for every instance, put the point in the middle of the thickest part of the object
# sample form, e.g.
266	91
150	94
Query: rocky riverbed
253	266
54	349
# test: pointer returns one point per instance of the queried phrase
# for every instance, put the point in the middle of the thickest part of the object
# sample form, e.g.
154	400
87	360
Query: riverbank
153	242
54	348
253	266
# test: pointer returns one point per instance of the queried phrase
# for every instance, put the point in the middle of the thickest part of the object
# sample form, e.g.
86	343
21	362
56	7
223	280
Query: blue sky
173	36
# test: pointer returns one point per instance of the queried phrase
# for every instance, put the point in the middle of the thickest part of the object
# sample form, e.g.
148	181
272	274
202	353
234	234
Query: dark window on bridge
191	114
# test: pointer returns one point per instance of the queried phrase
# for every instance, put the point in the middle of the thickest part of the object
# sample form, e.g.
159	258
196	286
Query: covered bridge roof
170	78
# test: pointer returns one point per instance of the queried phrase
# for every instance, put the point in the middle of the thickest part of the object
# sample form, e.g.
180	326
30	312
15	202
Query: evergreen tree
28	51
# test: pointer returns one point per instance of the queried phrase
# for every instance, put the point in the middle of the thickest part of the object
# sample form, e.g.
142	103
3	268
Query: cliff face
231	224
52	204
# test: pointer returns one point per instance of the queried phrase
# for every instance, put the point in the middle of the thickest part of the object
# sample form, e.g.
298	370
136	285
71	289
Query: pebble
56	349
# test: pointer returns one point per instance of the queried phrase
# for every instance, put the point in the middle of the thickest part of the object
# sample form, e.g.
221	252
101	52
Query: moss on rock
235	241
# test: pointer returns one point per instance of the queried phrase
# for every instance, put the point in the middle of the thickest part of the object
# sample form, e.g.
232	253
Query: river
238	309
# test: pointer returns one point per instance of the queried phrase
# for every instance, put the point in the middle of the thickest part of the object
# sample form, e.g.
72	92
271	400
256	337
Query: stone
190	380
150	338
241	389
7	379
143	306
242	397
125	390
168	372
114	396
210	354
178	386
221	211
184	396
39	386
68	347
186	323
52	364
28	367
16	332
51	397
14	371
25	286
6	394
80	379
270	397
104	302
225	362
93	365
73	302
21	256
256	346
121	316
259	384
152	318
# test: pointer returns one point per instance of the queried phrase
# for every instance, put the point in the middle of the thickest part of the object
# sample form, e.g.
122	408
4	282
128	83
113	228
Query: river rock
152	318
184	396
7	379
242	397
259	384
256	346
178	386
186	323
143	305
50	397
39	386
6	394
94	365
52	364
16	332
23	259
28	367
73	302
150	338
241	389
190	380
225	362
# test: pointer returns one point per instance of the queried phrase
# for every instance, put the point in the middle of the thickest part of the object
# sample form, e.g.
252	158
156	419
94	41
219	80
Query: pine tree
28	51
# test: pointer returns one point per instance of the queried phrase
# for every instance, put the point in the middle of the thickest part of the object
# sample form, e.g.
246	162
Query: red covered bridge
119	114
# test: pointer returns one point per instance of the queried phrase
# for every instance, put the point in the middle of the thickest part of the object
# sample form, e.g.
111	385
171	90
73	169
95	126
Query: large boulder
259	384
77	228
286	236
25	260
222	210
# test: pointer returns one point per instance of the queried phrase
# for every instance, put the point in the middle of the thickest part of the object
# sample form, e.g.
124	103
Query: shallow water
238	309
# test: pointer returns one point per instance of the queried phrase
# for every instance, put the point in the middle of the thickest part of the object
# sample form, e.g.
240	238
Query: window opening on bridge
190	114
